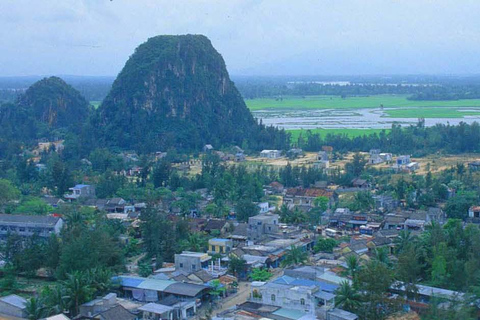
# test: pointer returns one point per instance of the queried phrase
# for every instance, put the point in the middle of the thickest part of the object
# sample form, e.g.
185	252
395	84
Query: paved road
242	294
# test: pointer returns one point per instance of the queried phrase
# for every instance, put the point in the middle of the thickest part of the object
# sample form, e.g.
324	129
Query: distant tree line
415	140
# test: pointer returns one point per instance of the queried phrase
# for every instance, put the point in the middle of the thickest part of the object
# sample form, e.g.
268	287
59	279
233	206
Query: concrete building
182	309
375	157
155	311
191	261
474	212
220	246
13	305
402	160
81	191
264	207
271	154
261	225
105	308
322	156
321	164
294	297
26	226
305	197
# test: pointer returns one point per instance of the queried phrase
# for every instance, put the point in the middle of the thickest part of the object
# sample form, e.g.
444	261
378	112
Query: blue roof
284	280
219	240
324	286
289	313
132	282
81	185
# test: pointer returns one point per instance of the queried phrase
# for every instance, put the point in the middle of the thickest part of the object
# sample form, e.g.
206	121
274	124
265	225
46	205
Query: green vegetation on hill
175	91
49	109
55	104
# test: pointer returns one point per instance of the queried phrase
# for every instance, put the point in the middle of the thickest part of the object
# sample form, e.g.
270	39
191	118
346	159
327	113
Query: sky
255	37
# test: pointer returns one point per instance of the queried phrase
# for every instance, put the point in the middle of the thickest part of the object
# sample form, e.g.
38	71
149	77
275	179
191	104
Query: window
181	265
302	302
273	297
22	229
194	267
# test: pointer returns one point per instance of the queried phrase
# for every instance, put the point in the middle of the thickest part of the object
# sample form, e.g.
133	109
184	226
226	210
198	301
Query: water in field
345	119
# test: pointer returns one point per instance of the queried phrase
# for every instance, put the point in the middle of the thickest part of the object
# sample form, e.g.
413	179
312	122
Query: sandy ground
437	162
434	162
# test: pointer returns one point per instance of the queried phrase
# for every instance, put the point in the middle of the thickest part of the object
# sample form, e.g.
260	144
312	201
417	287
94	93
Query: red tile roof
309	192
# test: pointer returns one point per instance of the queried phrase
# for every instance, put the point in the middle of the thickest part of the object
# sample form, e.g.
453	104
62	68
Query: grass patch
336	102
352	133
430	113
96	104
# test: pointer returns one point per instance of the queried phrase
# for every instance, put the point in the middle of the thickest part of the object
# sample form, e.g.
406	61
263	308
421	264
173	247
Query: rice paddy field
362	102
352	133
360	115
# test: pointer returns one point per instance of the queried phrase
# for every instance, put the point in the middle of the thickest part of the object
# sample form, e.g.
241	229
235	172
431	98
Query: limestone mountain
175	91
50	108
55	104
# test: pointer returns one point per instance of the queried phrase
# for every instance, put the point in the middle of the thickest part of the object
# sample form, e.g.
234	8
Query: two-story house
191	261
261	225
81	191
27	226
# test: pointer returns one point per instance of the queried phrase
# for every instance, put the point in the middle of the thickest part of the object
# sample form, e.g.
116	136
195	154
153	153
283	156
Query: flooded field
367	118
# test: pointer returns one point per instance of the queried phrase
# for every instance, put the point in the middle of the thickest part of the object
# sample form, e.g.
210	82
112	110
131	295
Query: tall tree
294	256
347	297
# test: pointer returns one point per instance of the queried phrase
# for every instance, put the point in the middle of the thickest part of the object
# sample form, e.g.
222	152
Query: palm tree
77	289
353	266
294	256
381	254
74	219
297	217
100	280
35	308
403	240
195	242
347	297
55	299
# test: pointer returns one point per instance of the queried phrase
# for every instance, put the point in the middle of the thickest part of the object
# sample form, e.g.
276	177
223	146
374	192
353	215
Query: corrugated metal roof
154	284
15	301
287	280
28	220
324	295
155	308
289	313
132	282
185	289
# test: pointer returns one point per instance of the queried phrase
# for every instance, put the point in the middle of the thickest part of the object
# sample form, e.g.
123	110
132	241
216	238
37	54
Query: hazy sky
282	37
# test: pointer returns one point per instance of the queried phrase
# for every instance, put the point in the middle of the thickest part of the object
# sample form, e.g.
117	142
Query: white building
28	225
271	154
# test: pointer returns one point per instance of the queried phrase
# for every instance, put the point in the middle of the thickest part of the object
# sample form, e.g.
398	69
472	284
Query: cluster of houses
177	290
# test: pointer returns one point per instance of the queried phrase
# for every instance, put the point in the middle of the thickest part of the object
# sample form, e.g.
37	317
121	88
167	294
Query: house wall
189	264
287	298
220	246
8	309
257	227
28	231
